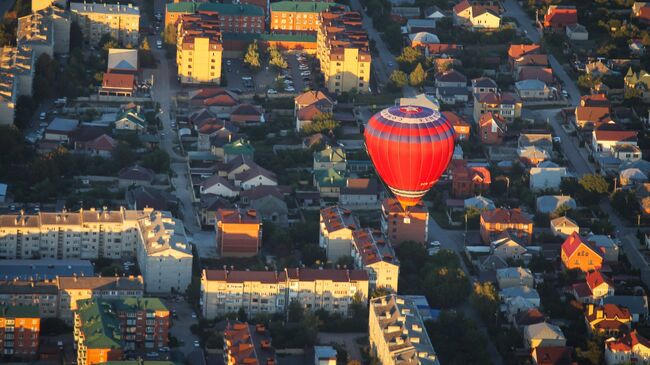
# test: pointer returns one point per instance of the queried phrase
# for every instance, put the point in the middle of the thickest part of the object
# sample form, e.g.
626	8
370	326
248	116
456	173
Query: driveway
181	326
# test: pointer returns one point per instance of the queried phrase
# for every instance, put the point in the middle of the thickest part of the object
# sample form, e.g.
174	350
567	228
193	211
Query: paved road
513	9
181	326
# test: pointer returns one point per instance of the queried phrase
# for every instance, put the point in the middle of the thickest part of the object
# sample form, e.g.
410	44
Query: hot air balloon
410	147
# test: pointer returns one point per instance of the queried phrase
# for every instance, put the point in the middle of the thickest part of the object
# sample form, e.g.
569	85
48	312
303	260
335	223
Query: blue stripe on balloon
426	138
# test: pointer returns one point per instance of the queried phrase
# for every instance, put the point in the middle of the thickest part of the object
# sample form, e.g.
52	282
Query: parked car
271	91
434	247
159	44
290	89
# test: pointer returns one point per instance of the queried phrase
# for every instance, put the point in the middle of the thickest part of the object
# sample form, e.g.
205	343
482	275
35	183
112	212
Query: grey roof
44	269
104	8
63	125
544	330
642	165
3	189
514	273
519	291
480	202
549	203
530	85
637	304
28	287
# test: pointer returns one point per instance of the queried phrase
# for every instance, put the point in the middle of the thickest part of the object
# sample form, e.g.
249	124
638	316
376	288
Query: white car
228	62
289	89
271	91
196	343
159	44
305	73
434	247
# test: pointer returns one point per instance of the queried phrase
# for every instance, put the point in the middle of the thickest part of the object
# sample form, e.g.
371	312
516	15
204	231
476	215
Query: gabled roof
544	330
118	81
615	136
310	97
451	76
506	216
594	279
246	109
216	179
136	172
262	191
574	241
553	355
485	82
463	5
256	171
517	50
564	222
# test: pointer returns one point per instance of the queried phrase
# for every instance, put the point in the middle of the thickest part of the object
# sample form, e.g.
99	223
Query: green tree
399	78
276	58
107	42
169	35
322	122
587	81
123	155
44	84
592	352
594	184
417	77
76	36
485	300
409	58
252	56
157	160
24	111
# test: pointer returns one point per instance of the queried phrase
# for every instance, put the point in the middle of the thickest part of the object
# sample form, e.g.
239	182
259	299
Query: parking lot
297	77
181	322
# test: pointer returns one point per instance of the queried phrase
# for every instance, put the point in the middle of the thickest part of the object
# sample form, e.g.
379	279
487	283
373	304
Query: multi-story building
71	289
8	84
373	253
155	238
506	105
296	16
397	333
20	327
122	22
238	232
233	18
247	344
343	50
333	290
105	329
336	227
511	221
401	224
199	48
41	294
45	31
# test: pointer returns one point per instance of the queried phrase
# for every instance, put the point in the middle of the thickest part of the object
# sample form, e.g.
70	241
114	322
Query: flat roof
44	269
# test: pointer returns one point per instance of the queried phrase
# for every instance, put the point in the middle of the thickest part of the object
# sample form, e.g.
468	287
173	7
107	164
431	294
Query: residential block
199	48
20	328
122	22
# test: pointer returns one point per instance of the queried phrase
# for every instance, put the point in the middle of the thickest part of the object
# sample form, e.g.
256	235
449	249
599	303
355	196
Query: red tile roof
531	316
463	5
505	216
617	136
118	81
574	241
336	218
560	16
517	50
581	290
594	279
610	312
391	205
235	216
544	74
553	355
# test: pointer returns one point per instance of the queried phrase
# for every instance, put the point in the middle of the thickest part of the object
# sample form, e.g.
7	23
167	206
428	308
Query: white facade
543	178
258	180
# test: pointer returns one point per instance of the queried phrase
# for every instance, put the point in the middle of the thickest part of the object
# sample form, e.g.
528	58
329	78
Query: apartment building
404	224
373	253
247	344
397	333
238	232
71	289
336	227
24	293
199	48
45	31
155	238
122	22
104	329
19	331
233	18
296	16
8	85
343	50
224	291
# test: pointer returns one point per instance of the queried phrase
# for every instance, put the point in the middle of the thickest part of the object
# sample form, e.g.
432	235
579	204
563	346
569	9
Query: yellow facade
384	274
344	55
122	22
201	63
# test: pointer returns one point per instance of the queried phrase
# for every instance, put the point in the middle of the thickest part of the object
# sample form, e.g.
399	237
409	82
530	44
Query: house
247	114
612	137
238	232
443	50
330	158
268	202
630	348
595	287
210	205
507	105
636	47
423	100
507	248
501	220
492	128
102	145
529	317
255	176
607	319
520	291
532	89
434	12
516	51
593	110
118	84
362	192
539	139
548	204
546	178
451	78
452	95
220	186
372	252
479	202
541	73
606	245
403	13
420	25
564	227
558	17
577	32
627	152
579	254
141	197
135	175
213	127
469	180
638	82
636	304
515	276
484	85
130	118
529	60
238	165
641	11
236	148
60	130
461	127
543	335
560	355
422	39
476	16
325	355
329	182
632	176
310	104
532	155
336	228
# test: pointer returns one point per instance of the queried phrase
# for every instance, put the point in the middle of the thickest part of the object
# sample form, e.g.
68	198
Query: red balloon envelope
410	147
